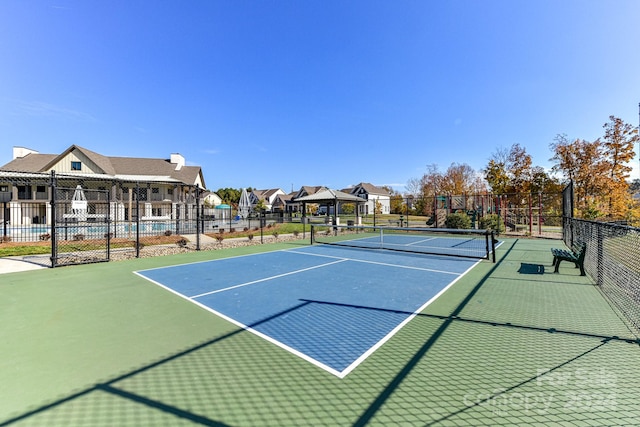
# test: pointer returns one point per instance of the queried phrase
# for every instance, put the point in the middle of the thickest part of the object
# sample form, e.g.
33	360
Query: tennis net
479	244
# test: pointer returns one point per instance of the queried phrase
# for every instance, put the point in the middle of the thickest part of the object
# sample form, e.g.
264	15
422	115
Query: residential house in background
282	203
375	196
268	197
163	187
211	199
305	190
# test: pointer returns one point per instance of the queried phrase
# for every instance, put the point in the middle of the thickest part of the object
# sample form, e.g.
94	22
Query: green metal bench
575	255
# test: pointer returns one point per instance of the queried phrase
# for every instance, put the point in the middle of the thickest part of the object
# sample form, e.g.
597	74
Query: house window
41	192
76	166
141	194
24	192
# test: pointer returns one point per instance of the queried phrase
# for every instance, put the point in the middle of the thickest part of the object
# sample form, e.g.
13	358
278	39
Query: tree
510	171
229	195
599	170
378	207
460	178
617	149
519	168
260	206
348	208
496	176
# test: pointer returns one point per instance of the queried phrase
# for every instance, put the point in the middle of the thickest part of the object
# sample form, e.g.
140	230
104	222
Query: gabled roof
370	189
309	190
119	167
101	161
266	194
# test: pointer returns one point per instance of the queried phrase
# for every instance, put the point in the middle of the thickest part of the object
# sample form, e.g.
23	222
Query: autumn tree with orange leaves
599	170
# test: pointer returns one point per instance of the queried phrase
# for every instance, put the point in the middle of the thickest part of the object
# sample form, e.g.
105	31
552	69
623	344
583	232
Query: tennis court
505	343
331	306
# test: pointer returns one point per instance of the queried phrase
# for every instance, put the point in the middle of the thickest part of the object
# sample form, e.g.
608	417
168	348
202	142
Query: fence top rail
607	224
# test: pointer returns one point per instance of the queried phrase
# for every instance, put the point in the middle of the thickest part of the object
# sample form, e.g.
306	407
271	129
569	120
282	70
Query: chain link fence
612	260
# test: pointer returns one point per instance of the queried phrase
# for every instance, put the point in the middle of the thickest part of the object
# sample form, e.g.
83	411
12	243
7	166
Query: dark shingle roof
30	163
114	166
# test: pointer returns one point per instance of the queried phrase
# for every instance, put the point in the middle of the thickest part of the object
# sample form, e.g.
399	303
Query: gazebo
331	198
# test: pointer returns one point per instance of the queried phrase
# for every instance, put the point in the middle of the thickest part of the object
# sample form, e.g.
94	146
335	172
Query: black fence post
600	254
108	221
198	229
54	239
137	220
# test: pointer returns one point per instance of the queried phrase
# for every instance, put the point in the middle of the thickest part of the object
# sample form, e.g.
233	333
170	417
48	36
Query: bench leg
581	266
557	265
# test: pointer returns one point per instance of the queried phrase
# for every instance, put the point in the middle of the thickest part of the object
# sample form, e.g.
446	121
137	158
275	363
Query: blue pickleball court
332	306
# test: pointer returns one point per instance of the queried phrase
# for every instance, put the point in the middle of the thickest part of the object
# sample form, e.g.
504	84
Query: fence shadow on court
183	385
113	390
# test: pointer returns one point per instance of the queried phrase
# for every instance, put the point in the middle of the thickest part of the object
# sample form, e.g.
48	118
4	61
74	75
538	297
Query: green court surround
510	343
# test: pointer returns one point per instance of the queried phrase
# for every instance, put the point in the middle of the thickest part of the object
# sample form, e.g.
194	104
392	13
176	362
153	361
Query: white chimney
178	160
19	152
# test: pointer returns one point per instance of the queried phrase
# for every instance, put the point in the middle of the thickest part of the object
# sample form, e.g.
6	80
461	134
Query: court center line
268	278
381	263
420	241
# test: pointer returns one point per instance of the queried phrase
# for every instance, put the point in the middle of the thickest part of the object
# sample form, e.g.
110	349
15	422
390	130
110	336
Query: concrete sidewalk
17	264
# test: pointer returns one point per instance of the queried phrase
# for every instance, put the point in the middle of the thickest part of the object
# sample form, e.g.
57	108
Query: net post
493	246
312	233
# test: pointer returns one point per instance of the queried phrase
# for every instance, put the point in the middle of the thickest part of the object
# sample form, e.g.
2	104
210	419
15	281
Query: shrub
492	222
250	236
167	233
6	239
220	237
245	229
458	220
296	233
275	234
182	242
78	237
45	236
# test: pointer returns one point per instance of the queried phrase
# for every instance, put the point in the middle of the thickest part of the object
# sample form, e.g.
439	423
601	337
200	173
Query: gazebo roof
330	196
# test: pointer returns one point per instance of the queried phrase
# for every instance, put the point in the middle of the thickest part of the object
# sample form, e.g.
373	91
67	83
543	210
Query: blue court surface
332	306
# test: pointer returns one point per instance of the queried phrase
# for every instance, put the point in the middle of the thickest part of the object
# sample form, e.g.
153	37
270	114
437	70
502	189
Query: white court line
268	278
355	363
387	337
420	241
380	263
249	329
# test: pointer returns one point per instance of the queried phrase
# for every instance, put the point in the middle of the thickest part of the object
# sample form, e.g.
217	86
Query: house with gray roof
164	187
268	197
375	197
305	190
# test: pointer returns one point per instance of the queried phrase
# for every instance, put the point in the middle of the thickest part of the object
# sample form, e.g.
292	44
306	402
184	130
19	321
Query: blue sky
288	93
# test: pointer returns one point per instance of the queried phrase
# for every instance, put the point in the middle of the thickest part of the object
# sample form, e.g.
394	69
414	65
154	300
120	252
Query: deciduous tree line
598	169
